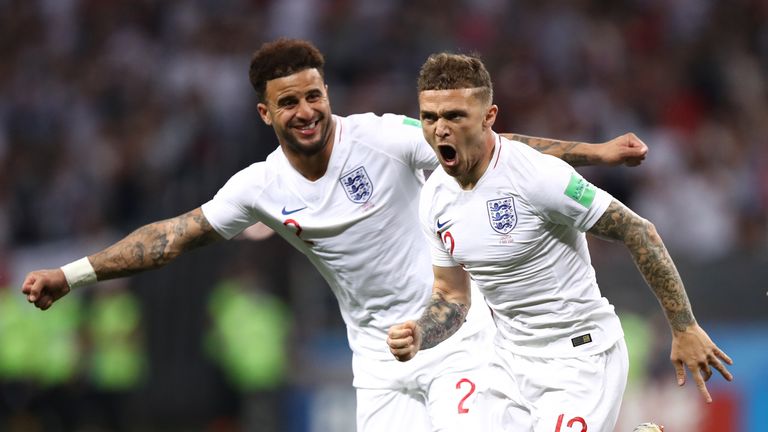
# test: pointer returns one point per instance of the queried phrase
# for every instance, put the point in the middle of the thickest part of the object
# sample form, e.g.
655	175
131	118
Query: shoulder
252	180
385	127
439	183
389	119
530	166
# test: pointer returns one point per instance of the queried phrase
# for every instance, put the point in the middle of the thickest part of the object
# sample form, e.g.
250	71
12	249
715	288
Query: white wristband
79	273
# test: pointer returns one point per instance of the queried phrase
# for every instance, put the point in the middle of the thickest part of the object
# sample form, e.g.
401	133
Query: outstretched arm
626	149
445	313
691	346
148	247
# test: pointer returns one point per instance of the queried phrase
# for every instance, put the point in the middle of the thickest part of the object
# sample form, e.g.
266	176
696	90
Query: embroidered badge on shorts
581	340
502	214
357	185
580	190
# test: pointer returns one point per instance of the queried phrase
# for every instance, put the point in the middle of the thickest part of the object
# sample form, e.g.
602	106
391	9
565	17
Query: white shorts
533	394
435	391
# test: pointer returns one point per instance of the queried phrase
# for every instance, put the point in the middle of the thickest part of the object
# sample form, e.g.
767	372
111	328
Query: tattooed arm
691	346
148	247
626	149
444	314
154	245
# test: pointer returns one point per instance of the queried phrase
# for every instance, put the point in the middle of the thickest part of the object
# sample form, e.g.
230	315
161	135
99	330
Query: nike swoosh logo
441	225
287	212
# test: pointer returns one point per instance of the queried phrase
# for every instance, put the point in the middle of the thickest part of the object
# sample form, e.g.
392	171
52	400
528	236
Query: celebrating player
513	220
344	191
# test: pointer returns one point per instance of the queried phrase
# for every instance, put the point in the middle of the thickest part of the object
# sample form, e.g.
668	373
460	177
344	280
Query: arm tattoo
651	258
441	319
565	150
153	245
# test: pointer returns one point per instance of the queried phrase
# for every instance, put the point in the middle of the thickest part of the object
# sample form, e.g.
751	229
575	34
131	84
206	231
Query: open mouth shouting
447	154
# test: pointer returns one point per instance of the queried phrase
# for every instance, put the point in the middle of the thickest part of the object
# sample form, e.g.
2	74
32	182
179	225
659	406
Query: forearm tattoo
652	259
440	320
153	245
565	150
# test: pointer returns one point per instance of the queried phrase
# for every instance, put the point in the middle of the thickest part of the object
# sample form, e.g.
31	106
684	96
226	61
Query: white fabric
371	252
448	378
79	273
535	394
520	237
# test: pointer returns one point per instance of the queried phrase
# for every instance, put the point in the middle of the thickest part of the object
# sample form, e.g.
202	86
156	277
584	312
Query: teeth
309	126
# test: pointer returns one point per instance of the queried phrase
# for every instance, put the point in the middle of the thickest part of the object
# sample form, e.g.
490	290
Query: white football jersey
358	224
520	235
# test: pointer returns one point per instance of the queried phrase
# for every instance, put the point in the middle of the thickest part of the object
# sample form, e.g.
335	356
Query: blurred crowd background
117	113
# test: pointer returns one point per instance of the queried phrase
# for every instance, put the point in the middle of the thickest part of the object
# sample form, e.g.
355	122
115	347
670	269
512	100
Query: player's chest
347	202
489	227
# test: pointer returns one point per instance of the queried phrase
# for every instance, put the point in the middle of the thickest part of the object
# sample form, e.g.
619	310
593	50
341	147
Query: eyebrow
291	97
445	114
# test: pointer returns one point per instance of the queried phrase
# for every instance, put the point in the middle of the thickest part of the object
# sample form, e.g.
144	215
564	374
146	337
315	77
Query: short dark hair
281	58
445	71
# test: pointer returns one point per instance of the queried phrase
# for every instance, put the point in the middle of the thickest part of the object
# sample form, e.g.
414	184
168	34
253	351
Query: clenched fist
43	287
404	340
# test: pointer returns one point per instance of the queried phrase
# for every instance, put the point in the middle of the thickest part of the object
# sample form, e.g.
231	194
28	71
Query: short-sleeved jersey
358	224
519	233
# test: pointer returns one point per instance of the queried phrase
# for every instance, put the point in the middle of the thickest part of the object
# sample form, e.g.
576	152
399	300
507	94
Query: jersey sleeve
562	196
400	137
230	211
440	255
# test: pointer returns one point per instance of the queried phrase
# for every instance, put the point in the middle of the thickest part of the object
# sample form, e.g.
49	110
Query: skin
149	247
627	149
459	120
298	109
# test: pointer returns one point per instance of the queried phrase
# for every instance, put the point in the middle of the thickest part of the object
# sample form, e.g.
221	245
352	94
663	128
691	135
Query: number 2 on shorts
463	410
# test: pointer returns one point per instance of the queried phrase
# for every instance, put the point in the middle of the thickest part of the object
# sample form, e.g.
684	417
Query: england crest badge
502	214
357	185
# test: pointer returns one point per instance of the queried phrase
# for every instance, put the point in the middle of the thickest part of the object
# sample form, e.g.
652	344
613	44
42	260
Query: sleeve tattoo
440	320
153	245
565	150
652	259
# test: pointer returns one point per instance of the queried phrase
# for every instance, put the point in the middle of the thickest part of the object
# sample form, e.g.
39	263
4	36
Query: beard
310	148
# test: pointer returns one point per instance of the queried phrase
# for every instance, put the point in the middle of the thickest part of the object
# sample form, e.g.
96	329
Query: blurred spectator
248	339
39	365
116	356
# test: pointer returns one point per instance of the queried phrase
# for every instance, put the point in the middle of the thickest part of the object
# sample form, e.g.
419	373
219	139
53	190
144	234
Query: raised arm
691	346
149	247
444	314
626	149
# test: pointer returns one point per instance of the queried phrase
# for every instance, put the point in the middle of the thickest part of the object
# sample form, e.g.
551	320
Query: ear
490	116
264	113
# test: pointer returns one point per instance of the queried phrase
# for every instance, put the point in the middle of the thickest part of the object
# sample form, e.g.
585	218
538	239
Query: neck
312	167
469	181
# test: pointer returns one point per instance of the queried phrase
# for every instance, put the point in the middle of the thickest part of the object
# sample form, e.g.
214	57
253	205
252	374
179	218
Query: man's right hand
404	340
43	287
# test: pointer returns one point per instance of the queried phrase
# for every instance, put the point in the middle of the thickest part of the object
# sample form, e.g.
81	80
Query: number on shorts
463	410
570	423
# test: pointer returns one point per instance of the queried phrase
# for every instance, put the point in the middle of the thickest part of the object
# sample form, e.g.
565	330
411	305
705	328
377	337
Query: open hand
693	349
